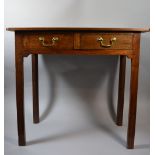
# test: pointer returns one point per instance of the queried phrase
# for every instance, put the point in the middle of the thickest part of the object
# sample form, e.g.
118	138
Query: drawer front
48	40
106	41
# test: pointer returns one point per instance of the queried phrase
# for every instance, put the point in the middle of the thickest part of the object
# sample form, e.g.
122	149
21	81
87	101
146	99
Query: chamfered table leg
20	100
121	88
133	102
35	88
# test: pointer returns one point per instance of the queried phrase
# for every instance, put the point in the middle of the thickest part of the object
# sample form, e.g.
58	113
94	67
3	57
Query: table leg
35	88
121	88
133	101
20	100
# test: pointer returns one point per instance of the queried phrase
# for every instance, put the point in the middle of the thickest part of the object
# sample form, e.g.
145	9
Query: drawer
106	41
48	40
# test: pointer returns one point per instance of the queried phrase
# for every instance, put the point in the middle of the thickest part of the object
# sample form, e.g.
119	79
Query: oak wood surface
121	88
35	89
77	29
89	40
133	92
79	52
31	40
19	64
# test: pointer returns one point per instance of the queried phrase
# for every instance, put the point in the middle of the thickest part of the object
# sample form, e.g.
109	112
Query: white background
71	85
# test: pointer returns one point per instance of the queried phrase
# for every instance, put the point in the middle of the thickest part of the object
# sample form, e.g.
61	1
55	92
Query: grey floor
76	119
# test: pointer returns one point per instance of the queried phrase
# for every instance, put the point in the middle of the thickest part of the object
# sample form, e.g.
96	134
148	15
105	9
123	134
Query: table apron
81	52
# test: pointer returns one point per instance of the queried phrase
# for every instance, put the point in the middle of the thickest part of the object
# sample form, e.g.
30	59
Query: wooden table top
78	29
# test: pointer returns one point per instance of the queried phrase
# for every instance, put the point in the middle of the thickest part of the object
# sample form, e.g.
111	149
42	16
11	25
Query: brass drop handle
54	40
101	40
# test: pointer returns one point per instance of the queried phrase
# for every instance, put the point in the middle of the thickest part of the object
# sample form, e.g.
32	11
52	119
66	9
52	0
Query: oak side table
124	42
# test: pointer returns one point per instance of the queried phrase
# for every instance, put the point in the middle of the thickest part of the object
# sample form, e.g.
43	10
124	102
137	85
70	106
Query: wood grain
35	89
89	40
133	93
20	92
31	40
78	29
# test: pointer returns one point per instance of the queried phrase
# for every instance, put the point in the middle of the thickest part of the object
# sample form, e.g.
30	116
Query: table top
78	29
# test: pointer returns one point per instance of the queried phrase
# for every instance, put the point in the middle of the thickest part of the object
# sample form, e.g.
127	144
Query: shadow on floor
52	86
82	73
80	132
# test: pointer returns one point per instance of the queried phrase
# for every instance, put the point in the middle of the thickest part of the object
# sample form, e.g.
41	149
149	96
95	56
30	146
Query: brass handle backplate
101	40
53	40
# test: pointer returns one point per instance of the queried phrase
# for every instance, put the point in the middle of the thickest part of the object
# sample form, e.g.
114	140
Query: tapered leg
35	88
20	100
133	102
121	88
